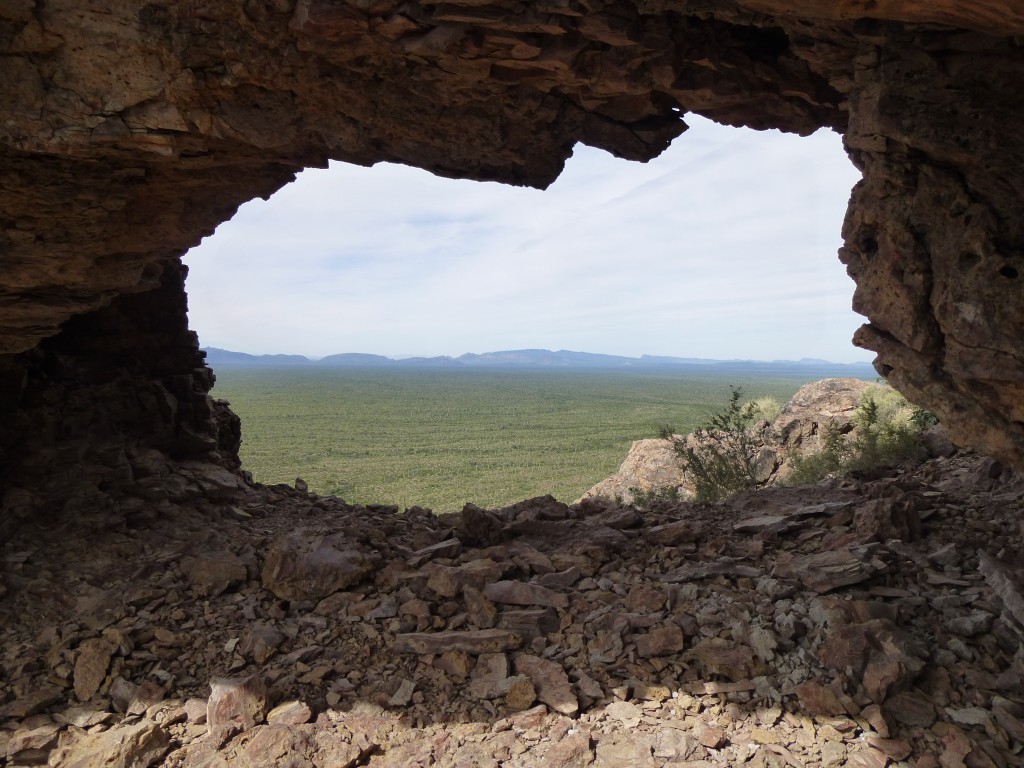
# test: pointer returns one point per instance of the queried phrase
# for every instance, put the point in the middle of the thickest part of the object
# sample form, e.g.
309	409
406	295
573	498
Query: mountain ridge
528	358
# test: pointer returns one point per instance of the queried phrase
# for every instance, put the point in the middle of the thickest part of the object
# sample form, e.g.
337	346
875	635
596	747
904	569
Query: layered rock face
130	131
110	419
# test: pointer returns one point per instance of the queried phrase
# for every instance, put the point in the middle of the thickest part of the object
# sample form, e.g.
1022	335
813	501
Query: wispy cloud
723	247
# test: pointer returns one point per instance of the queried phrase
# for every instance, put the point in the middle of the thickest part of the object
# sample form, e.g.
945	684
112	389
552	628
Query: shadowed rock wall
130	131
110	420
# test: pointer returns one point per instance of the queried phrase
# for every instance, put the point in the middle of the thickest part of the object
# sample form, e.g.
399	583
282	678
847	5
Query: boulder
306	566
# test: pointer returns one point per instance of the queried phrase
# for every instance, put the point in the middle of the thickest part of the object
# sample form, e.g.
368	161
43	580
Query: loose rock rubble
863	623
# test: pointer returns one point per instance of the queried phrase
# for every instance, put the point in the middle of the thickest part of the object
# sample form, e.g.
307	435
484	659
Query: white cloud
723	247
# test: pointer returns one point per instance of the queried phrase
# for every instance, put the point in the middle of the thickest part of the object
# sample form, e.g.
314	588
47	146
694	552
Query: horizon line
641	357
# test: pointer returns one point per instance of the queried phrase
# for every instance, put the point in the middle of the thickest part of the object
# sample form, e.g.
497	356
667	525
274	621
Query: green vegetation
721	456
648	498
765	409
439	438
886	431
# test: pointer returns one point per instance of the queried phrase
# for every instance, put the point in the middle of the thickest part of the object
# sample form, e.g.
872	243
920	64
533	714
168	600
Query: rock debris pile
869	623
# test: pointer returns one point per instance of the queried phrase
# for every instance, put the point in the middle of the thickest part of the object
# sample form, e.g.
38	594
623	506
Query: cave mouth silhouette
721	248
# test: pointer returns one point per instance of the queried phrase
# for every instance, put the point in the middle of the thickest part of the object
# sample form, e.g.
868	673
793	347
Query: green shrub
809	468
765	408
645	498
886	431
720	457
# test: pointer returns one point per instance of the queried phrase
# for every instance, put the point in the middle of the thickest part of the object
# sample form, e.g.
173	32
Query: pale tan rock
29	746
269	743
832	754
894	749
238	702
550	680
145	696
289	713
712	737
139	745
673	745
309	567
571	751
472	642
625	713
91	667
623	754
650	465
195	711
84	717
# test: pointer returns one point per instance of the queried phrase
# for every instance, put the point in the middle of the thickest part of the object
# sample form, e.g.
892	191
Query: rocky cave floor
867	622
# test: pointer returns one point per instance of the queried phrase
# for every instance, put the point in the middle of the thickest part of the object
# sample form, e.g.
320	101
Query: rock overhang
130	132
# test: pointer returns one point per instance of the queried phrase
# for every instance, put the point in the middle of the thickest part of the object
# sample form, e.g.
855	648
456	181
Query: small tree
720	457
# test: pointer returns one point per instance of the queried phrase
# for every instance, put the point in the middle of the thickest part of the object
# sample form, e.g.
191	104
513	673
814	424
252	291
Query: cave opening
720	249
156	607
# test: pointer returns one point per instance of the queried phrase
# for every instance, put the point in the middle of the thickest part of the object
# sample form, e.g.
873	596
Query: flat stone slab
475	641
520	593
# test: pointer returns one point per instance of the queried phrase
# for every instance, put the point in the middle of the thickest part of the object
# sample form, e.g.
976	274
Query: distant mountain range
540	359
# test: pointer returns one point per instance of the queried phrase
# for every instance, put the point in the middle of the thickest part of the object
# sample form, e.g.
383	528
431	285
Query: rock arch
129	132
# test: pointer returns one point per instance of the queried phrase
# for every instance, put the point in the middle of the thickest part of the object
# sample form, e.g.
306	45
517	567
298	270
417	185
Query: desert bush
809	468
765	408
886	431
646	498
720	457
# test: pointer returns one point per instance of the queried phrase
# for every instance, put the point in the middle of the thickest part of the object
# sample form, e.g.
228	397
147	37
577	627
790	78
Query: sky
723	247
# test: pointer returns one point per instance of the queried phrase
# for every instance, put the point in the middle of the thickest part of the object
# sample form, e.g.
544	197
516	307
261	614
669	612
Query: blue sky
723	247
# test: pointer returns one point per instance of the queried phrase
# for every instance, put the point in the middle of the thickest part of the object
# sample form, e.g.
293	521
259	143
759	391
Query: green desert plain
438	438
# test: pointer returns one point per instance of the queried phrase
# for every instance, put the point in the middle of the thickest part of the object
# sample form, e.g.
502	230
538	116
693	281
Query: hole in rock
968	261
1008	272
723	248
766	43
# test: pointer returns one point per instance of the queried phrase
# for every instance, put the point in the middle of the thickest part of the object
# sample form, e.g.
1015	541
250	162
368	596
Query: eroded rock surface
815	643
653	466
130	131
